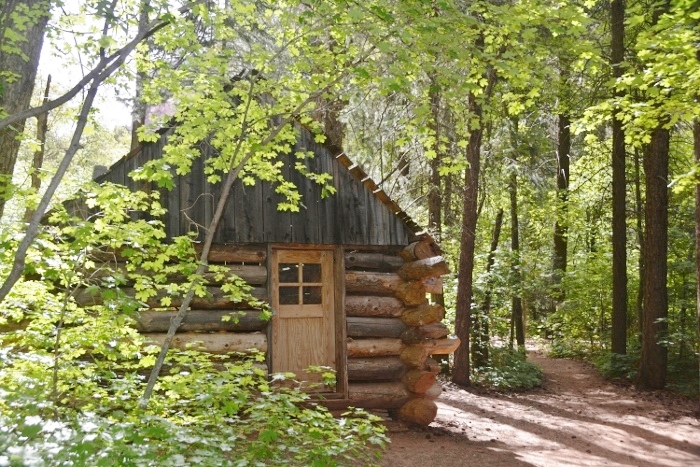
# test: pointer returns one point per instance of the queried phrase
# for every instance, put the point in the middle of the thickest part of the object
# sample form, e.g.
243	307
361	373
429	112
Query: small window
312	295
289	295
288	273
311	273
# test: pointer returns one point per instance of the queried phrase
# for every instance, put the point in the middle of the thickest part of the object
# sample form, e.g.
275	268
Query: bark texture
460	374
696	145
652	367
560	226
619	225
19	59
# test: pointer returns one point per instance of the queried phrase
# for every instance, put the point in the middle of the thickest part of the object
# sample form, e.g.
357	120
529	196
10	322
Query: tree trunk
560	225
516	274
619	217
138	108
652	368
518	322
696	145
16	89
435	192
480	347
461	370
42	123
639	212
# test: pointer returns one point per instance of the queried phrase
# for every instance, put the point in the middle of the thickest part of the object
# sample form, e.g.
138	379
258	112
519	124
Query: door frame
340	331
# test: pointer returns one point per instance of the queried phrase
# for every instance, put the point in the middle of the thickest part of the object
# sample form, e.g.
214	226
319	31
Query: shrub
508	370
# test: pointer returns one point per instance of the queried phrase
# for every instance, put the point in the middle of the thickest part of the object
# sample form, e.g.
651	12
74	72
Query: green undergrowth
508	370
201	414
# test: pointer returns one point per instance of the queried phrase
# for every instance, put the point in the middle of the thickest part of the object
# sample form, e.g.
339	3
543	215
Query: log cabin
347	278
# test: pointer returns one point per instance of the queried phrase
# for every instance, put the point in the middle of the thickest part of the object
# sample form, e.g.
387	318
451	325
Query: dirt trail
576	419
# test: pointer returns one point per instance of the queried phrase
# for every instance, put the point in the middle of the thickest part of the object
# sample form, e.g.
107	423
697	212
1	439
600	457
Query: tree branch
102	66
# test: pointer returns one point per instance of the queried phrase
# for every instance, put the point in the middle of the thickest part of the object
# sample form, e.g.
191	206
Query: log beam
440	346
433	285
419	381
420	411
422	249
217	254
414	356
217	343
424	268
411	293
378	395
416	335
374	327
372	283
235	253
375	369
361	305
373	347
216	300
423	314
202	320
252	274
377	261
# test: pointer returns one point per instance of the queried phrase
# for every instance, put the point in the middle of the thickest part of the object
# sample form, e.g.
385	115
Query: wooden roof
360	213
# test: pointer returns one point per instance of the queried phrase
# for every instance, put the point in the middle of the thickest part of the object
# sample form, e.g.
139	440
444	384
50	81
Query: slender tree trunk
560	225
517	303
696	145
619	217
435	193
461	369
652	368
482	336
17	87
42	123
517	321
138	108
640	241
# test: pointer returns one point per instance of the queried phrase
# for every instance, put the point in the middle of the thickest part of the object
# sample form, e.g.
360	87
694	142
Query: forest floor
576	418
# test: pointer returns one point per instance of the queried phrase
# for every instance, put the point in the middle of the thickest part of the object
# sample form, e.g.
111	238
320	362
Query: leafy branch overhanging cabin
346	278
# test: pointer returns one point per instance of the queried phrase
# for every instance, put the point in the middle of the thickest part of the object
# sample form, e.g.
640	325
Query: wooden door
303	324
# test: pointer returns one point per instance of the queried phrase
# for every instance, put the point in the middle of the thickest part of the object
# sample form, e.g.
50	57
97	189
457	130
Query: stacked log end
391	325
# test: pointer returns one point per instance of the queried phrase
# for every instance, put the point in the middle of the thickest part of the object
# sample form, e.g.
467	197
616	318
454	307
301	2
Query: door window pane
311	272
289	272
312	295
289	295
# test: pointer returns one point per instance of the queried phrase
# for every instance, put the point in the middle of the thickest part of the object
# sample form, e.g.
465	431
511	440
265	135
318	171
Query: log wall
213	324
392	330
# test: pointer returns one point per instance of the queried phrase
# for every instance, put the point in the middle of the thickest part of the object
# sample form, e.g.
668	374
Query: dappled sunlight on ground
576	419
